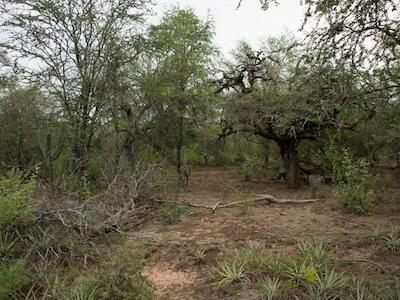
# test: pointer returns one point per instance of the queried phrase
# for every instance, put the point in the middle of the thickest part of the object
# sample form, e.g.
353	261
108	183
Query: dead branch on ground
267	199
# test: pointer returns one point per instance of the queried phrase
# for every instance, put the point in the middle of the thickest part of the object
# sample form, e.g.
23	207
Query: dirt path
277	227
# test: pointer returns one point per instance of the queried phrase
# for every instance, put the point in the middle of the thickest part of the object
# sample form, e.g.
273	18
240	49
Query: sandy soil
278	227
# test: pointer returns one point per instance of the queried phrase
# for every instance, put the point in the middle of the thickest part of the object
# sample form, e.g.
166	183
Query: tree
177	88
22	116
72	47
363	32
278	97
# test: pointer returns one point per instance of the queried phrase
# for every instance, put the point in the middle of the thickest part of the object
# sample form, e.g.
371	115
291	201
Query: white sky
249	23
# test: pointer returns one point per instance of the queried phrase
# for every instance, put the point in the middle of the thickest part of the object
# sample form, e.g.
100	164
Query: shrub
246	202
252	167
172	212
16	206
354	186
356	197
123	280
13	277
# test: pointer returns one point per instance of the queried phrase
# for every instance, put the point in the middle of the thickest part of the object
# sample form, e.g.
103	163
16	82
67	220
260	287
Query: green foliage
172	212
271	288
354	186
252	167
13	277
16	205
314	252
388	238
122	281
386	289
231	271
7	244
246	201
21	116
329	285
301	273
199	255
356	198
43	242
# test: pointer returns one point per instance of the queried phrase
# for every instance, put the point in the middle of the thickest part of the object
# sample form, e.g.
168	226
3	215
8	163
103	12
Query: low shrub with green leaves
246	202
252	167
122	280
353	184
16	205
172	212
14	276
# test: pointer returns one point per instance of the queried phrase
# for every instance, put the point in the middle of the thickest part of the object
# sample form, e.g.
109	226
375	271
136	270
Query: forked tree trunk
291	164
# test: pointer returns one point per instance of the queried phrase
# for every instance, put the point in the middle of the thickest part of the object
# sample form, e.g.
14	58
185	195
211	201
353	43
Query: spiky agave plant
231	271
7	243
199	255
314	252
329	285
271	288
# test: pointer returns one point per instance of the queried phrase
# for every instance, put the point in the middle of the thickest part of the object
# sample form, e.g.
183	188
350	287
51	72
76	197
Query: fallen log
268	199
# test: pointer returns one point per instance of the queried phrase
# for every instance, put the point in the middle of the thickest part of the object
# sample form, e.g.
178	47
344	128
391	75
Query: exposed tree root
268	199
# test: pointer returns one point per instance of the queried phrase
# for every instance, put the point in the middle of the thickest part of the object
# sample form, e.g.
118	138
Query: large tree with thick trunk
275	95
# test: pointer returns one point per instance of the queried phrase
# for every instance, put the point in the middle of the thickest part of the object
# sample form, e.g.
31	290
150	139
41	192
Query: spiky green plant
375	234
329	285
7	243
392	242
271	288
231	271
43	242
276	267
199	255
301	273
82	292
314	252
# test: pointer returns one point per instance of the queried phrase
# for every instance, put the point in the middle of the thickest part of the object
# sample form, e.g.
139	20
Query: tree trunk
179	143
291	164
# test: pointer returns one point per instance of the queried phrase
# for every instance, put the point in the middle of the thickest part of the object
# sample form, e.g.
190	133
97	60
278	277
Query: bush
13	277
356	197
123	279
172	212
16	206
252	167
354	186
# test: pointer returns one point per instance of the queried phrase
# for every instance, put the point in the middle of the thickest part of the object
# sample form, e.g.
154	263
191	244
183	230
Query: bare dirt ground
278	227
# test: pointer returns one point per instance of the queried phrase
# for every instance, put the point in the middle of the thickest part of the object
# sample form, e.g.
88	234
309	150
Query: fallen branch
364	261
269	199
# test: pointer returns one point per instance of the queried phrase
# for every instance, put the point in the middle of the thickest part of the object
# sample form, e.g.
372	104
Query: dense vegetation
99	111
